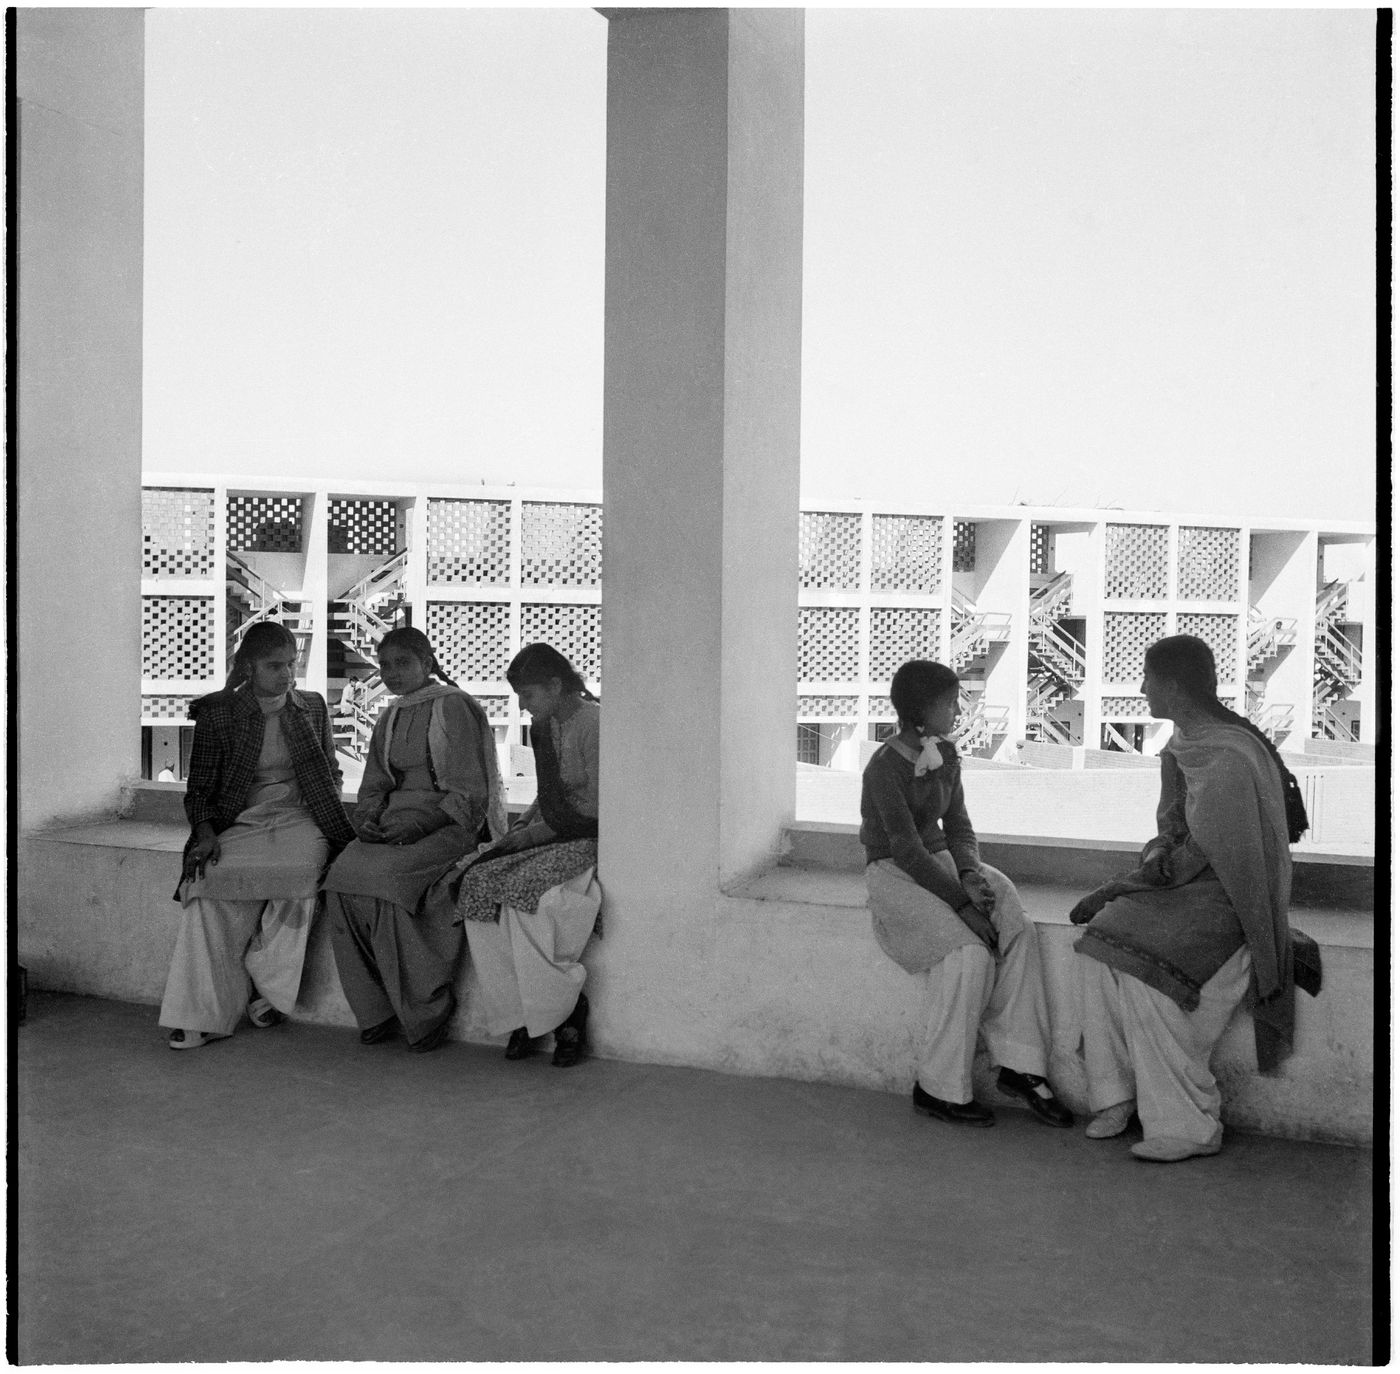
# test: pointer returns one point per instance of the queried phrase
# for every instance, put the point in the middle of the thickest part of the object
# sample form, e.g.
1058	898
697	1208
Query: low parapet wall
799	987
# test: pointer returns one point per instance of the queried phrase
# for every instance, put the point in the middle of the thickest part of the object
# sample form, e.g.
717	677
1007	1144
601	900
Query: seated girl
1172	948
940	912
263	801
431	792
531	902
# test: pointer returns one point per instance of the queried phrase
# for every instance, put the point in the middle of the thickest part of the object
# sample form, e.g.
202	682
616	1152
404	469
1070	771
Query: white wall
79	80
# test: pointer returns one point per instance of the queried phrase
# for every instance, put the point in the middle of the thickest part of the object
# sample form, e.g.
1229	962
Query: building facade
1044	613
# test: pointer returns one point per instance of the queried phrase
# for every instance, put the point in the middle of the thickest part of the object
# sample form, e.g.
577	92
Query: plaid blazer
228	738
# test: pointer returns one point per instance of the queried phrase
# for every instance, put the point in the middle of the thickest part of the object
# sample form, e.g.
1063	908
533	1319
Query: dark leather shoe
1023	1085
521	1044
374	1035
433	1039
959	1113
570	1040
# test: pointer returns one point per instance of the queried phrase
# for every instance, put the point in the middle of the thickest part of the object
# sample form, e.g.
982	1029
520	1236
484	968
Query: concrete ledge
786	980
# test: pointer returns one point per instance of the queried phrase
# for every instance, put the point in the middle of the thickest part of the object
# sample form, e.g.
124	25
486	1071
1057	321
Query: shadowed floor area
289	1194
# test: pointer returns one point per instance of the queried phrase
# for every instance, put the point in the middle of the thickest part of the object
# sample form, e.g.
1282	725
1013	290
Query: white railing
1267	635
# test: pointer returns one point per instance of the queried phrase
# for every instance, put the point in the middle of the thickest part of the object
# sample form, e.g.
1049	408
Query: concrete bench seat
808	993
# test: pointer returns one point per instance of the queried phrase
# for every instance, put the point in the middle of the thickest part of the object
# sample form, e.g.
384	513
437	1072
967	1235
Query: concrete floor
288	1194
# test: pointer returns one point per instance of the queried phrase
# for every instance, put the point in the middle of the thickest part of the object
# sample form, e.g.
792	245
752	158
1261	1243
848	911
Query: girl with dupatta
531	902
1173	948
431	792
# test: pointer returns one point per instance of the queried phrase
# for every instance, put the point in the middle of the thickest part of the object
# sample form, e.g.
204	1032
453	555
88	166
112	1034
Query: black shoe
521	1044
959	1113
570	1040
374	1035
433	1039
1023	1085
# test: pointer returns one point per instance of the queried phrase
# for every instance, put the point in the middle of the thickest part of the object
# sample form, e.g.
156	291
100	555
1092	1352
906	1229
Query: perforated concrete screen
826	708
1221	632
177	637
574	630
880	708
828	551
1208	564
469	541
1126	635
1041	544
363	526
264	524
1126	708
472	638
1135	562
561	544
906	553
496	708
964	546
177	532
899	633
828	643
165	708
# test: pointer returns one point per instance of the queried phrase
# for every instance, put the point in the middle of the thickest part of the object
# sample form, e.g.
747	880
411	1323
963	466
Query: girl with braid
531	903
263	800
431	792
1171	949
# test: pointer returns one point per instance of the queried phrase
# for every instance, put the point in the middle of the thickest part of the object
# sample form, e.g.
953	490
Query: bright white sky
1073	257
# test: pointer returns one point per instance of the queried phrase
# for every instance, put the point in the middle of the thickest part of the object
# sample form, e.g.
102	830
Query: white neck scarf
932	756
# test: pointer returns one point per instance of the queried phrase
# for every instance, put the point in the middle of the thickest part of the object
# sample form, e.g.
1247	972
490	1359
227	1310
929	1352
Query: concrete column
80	87
315	586
1007	545
700	461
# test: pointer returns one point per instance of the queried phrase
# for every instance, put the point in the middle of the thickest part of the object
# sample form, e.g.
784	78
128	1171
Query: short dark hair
1186	661
917	683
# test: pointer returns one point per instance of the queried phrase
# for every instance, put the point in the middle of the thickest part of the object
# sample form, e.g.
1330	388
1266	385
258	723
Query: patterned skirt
520	880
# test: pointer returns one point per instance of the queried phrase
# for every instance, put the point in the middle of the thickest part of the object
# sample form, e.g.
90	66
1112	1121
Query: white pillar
80	85
700	462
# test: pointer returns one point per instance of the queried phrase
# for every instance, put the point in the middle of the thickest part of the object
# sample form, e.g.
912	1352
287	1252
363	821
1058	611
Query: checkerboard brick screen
880	708
828	551
827	708
561	544
177	532
964	546
177	637
906	554
496	708
1126	635
170	708
469	541
1042	541
264	524
1221	632
574	630
1208	564
363	526
828	644
899	633
472	638
1126	708
1135	562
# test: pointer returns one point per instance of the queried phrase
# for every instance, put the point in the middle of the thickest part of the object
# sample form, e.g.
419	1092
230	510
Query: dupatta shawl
1222	815
444	760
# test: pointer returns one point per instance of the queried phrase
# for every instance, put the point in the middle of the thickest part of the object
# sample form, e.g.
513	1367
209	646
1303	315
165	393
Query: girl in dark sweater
940	912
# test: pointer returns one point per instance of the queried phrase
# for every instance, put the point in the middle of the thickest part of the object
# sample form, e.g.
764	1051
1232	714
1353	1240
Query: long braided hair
263	639
418	644
1189	663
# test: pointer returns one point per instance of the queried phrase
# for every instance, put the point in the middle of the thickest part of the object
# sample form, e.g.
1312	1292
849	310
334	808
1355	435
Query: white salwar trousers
223	945
969	992
1139	1044
528	962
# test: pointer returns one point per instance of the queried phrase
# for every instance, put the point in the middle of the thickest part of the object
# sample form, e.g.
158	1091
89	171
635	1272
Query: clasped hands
1154	871
395	830
977	916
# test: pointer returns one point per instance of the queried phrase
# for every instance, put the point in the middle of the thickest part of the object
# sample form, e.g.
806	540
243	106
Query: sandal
263	1014
521	1044
433	1039
192	1039
373	1035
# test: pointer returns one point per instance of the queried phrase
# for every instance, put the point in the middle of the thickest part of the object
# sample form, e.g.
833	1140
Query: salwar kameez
246	921
393	933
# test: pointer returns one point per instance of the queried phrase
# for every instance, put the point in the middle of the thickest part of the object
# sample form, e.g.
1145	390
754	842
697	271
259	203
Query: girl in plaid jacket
263	801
